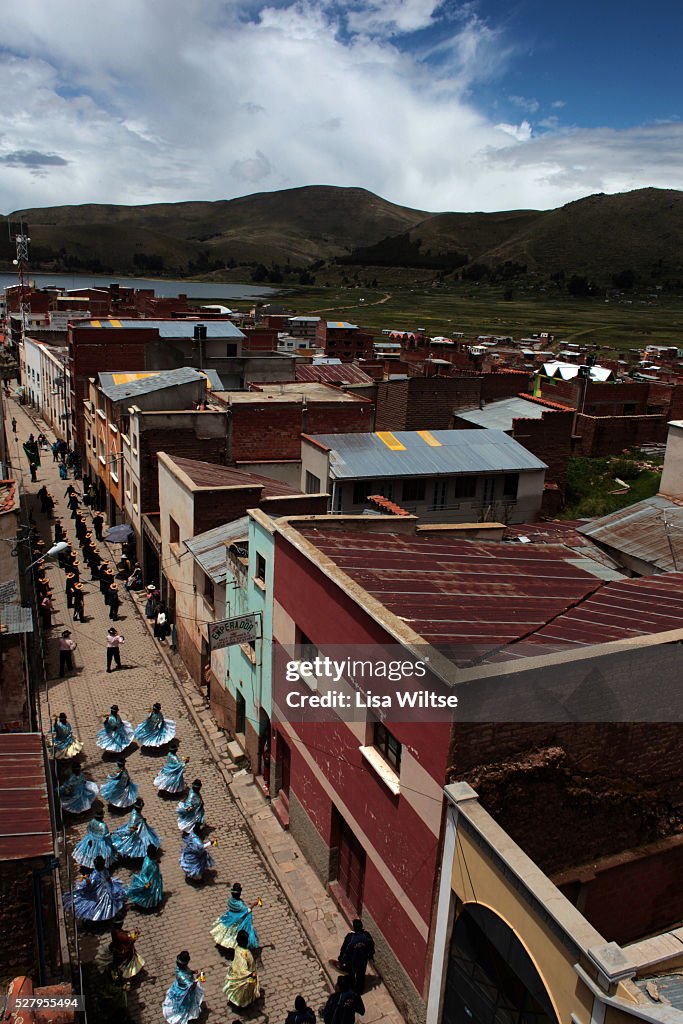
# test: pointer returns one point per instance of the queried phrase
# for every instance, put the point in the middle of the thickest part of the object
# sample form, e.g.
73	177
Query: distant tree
259	273
578	286
625	280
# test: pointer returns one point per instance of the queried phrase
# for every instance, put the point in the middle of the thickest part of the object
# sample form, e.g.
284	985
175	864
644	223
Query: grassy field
592	488
615	326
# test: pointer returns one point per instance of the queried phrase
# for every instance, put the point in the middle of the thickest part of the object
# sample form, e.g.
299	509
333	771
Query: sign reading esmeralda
239	630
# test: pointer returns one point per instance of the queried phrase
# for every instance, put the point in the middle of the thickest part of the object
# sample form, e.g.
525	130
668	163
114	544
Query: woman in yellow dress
241	982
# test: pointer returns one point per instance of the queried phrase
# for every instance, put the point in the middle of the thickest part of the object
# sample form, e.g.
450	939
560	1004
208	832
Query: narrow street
288	964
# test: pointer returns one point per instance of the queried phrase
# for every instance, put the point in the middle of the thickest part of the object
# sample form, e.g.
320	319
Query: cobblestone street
288	964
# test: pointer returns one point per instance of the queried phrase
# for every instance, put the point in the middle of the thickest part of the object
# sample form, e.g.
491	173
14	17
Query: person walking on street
113	601
70	584
161	623
47	607
66	648
98	523
34	472
79	603
343	1005
357	948
114	641
14	424
301	1014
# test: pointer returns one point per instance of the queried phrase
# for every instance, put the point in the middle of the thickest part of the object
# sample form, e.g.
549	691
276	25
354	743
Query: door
240	714
351	869
284	758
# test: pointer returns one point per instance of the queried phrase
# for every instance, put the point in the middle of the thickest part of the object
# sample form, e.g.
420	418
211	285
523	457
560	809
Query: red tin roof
25	821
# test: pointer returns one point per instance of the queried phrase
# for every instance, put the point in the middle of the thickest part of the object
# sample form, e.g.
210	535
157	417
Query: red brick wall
611	786
652	881
610	435
424	403
607	399
183	443
272	430
550	439
504	385
213	508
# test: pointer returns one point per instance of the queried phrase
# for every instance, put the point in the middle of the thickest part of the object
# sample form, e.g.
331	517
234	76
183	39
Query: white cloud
172	101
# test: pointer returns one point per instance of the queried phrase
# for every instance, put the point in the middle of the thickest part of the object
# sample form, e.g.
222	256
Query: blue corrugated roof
426	453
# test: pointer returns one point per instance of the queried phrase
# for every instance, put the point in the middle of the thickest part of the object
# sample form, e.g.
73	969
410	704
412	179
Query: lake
216	291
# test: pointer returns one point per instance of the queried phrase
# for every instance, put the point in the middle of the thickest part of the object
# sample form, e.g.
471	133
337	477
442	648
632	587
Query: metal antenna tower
21	241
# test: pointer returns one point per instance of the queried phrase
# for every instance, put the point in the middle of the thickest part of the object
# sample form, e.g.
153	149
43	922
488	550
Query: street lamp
56	549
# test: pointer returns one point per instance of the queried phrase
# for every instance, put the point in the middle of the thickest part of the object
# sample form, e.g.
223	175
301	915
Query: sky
453	106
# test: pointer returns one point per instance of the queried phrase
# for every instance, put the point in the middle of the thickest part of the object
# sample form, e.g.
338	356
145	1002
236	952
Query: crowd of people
99	896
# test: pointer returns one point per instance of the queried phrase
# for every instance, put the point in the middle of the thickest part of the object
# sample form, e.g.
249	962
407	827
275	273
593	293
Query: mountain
599	237
299	225
637	234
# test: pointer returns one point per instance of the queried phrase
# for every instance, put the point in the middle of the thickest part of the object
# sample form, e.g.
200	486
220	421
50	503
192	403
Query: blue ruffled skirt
188	817
149	737
182	1004
195	860
90	846
120	795
79	798
115	741
96	901
171	780
134	844
144	891
225	928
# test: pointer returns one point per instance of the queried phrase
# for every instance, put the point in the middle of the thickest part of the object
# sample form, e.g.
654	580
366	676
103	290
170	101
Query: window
388	746
440	493
465	487
361	490
135	495
103	457
173	530
312	483
260	567
413	490
629	409
510	486
231	349
208	590
127	479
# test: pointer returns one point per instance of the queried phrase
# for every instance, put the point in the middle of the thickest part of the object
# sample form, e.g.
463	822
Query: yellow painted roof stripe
126	378
115	323
95	323
390	440
429	439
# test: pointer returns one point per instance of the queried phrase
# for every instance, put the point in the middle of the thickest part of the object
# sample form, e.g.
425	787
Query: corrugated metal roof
332	373
499	415
25	822
168	328
210	549
147	382
425	453
207	474
640	531
457	592
15	619
342	324
627	608
669	986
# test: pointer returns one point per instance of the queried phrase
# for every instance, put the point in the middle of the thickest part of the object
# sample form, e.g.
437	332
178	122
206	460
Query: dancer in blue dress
116	734
77	794
132	840
81	899
156	730
184	998
195	859
64	743
95	843
170	778
236	918
191	810
119	790
146	888
99	898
